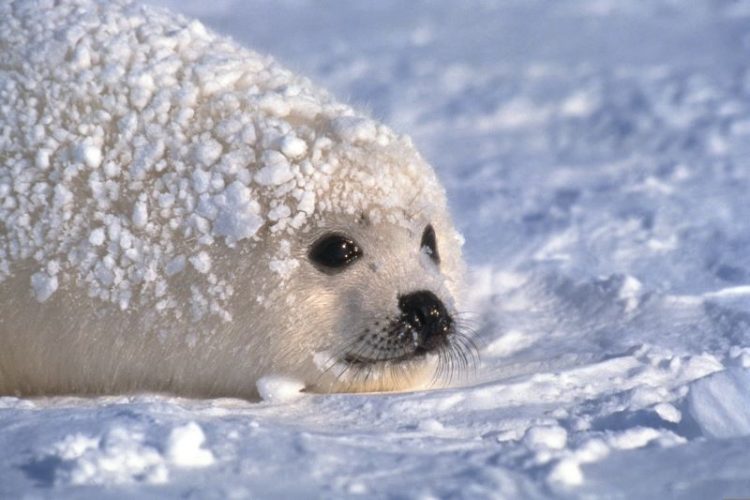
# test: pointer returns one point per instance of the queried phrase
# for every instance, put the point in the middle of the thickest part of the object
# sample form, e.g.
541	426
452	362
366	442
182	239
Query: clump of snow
140	214
97	236
235	213
293	147
89	154
668	412
207	152
430	425
634	438
567	472
279	388
551	437
185	447
276	170
201	262
44	285
119	456
284	264
123	455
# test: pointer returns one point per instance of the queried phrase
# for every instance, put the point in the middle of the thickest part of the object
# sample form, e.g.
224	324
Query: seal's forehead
383	181
364	222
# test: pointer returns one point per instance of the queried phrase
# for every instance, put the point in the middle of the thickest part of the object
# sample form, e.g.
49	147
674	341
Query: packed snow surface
596	157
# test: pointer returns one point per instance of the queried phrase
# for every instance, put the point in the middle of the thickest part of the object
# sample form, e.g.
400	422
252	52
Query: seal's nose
427	315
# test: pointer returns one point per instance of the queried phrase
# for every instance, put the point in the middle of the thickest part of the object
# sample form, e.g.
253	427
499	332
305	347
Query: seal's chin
418	353
398	342
356	374
398	355
357	360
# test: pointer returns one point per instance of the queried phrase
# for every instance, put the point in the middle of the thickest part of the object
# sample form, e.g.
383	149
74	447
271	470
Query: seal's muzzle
427	317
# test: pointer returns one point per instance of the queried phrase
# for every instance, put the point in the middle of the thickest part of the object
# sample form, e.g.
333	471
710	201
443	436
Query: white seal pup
180	214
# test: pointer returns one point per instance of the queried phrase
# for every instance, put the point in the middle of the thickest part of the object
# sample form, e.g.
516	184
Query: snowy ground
596	155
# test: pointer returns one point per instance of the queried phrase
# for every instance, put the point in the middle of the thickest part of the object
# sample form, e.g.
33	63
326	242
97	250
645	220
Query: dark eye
334	252
429	241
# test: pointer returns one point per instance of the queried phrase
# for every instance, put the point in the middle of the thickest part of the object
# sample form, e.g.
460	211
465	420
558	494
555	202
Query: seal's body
180	214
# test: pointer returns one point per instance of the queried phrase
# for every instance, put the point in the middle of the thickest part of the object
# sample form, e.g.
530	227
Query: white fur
159	190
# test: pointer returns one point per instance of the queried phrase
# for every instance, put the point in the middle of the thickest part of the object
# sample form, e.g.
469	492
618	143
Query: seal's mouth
359	360
400	341
397	355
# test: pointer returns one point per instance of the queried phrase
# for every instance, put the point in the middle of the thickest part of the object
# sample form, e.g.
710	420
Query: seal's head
395	321
371	303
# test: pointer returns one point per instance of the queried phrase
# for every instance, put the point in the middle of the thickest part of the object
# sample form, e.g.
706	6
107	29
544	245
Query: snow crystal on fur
133	140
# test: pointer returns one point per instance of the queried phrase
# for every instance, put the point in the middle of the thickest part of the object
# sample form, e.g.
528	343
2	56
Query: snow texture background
595	154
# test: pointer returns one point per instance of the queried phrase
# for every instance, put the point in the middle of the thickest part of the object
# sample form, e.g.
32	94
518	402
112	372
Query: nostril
415	318
425	312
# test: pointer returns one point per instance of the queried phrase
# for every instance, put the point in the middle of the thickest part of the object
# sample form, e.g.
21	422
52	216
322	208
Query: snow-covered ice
595	153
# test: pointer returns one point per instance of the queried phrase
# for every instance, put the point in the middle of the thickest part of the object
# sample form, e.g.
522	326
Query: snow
89	154
276	170
595	156
117	457
279	388
549	436
201	262
185	447
97	236
44	285
293	147
720	403
235	213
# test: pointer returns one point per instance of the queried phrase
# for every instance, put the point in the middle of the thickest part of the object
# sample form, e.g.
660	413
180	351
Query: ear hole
429	243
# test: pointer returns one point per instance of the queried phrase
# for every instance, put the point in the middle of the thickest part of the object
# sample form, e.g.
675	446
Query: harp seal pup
180	214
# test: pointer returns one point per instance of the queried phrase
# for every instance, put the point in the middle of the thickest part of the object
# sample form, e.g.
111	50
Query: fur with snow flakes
158	188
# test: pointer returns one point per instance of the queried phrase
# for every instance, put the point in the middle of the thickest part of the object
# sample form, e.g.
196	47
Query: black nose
427	315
